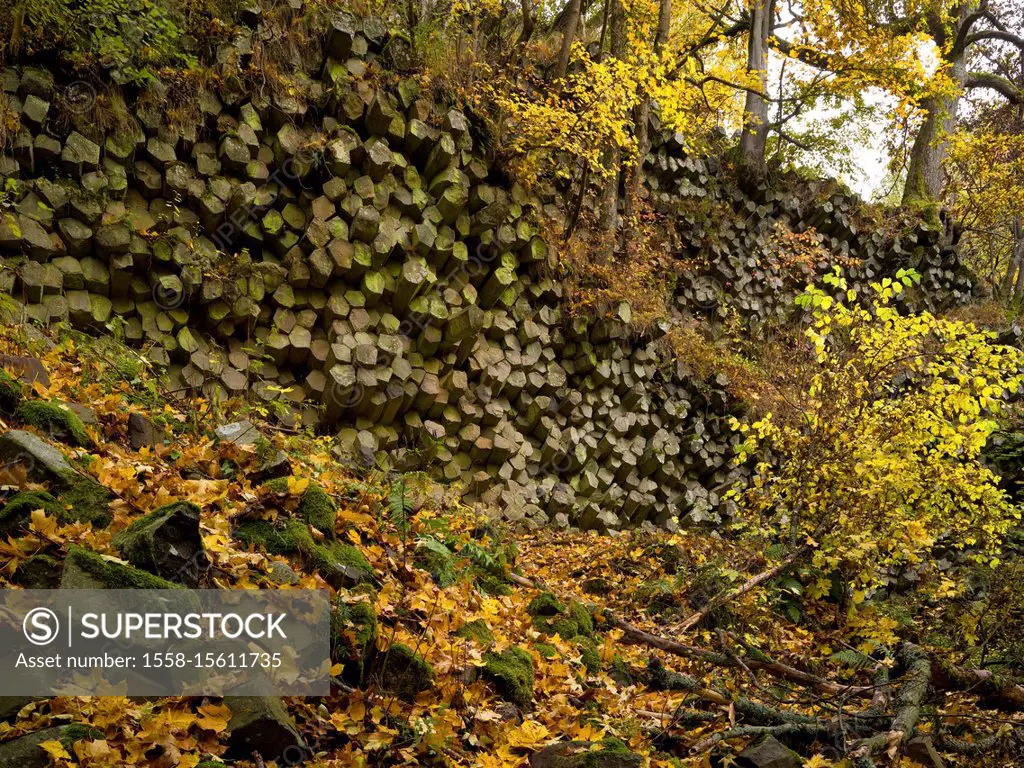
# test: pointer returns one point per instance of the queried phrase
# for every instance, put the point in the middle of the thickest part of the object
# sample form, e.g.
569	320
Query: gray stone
238	432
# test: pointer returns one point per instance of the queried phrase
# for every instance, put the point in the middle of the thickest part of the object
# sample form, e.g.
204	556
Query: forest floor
457	589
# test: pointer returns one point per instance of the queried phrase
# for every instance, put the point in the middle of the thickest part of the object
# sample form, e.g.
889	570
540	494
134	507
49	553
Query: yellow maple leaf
55	750
214	717
43	525
297	485
529	734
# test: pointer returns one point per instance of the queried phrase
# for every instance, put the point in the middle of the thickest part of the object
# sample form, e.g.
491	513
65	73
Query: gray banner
207	642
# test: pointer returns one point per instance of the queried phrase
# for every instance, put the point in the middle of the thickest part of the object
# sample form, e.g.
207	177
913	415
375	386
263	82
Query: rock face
166	543
390	287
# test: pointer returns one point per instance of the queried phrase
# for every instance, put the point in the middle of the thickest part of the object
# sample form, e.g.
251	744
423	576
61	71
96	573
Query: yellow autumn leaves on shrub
883	454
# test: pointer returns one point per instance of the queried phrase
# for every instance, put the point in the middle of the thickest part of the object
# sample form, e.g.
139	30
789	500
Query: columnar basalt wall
348	256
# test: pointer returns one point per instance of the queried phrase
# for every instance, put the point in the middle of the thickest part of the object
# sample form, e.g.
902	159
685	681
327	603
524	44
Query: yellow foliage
883	452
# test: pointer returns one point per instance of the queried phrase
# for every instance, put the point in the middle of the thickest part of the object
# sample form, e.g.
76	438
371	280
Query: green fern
400	506
853	659
434	556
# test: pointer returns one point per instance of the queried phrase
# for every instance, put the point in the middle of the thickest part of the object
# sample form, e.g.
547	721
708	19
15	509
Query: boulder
238	432
608	753
40	461
25	752
511	671
402	672
87	570
768	752
167	543
142	433
262	724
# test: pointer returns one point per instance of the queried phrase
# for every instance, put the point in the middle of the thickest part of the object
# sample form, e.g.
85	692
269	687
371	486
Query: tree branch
996	83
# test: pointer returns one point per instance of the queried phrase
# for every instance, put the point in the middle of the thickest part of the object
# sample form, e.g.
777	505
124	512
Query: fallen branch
908	708
994	690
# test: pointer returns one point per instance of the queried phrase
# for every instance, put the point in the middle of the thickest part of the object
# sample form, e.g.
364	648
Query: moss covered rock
84	500
262	724
553	617
607	753
81	501
589	654
545	604
477	631
353	638
87	570
56	420
316	507
25	752
10	392
38	572
341	565
19	508
166	542
512	673
402	672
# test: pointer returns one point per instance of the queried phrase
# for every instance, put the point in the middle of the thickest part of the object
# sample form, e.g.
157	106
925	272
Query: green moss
477	631
38	572
19	508
77	732
316	507
55	420
434	557
10	392
86	501
134	541
87	570
210	764
546	650
404	673
353	637
584	621
607	749
294	538
589	654
545	604
512	673
489	584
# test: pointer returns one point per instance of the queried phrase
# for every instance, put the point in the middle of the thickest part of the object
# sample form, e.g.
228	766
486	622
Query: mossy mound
589	654
10	392
316	507
342	565
38	572
512	674
607	753
260	724
25	752
353	638
86	501
56	420
84	569
545	604
477	631
553	617
81	501
166	542
434	557
403	673
19	508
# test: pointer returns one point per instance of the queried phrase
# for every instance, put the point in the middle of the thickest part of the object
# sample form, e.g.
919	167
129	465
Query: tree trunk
610	199
572	21
925	175
755	110
529	21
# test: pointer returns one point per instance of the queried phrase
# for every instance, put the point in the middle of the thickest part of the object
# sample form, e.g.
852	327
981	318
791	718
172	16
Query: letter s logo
41	626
